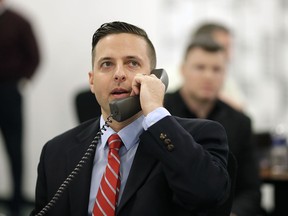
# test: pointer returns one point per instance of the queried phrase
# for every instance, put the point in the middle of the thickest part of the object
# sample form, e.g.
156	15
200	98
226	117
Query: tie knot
114	142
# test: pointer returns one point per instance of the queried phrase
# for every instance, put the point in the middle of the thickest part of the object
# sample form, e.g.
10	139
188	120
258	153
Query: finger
135	90
136	83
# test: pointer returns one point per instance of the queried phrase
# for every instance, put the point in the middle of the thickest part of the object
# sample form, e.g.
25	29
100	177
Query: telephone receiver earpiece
123	109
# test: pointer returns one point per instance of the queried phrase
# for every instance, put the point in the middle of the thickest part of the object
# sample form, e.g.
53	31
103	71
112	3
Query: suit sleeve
195	162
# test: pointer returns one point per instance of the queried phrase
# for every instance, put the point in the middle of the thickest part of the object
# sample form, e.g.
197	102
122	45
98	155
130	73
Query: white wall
64	29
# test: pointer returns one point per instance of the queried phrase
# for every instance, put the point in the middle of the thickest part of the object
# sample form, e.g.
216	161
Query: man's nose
119	75
209	73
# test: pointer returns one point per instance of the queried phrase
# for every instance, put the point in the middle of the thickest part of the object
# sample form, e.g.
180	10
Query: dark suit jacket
239	134
185	181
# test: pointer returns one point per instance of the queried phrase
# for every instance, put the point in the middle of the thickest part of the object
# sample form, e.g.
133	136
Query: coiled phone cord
89	152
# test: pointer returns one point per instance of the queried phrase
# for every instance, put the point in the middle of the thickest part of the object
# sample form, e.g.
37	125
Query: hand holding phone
125	108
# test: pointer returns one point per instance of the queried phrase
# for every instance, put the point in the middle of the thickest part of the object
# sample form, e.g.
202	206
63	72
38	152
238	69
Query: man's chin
207	99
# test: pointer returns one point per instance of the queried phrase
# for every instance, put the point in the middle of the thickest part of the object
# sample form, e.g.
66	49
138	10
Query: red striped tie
107	195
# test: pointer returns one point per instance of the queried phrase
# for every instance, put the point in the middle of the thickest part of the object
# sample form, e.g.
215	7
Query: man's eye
217	69
133	63
199	67
106	64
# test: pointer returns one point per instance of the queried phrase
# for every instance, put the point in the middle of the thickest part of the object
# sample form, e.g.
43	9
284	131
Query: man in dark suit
168	165
203	72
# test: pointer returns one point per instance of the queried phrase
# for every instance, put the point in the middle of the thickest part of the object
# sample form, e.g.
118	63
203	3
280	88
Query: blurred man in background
203	72
230	91
19	57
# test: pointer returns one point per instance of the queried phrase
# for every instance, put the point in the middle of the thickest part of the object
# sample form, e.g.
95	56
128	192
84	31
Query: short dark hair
208	29
205	43
118	27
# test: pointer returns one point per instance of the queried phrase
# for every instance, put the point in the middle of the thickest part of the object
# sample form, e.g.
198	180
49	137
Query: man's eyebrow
130	57
134	57
103	59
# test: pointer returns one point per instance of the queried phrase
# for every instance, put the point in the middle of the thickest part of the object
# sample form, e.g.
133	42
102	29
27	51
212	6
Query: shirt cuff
154	116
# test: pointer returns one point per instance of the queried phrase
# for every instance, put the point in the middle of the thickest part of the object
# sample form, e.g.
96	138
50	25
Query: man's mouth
120	93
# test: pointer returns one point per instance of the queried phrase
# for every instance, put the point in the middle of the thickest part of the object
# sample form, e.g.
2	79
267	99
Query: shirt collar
129	134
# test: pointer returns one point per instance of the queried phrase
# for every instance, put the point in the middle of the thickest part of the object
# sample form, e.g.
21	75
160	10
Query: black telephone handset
120	111
123	109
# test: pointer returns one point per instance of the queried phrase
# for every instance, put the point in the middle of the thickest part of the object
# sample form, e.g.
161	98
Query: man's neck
117	126
201	108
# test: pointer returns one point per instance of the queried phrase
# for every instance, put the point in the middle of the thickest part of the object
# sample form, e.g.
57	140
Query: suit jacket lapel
79	189
142	162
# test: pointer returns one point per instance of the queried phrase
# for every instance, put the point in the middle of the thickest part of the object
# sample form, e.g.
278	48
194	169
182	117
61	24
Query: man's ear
91	81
